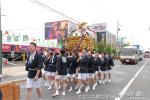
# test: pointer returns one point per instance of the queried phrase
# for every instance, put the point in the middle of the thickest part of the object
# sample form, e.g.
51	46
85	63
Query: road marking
124	90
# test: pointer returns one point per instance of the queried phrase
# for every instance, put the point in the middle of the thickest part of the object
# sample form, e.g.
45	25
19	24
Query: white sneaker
100	82
50	87
78	92
87	89
109	81
104	81
94	86
40	99
63	93
70	89
56	94
76	87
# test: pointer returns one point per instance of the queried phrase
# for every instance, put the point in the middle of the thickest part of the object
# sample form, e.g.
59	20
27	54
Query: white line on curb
124	90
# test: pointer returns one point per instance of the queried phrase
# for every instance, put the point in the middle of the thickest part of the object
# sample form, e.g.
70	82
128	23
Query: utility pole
118	29
0	42
117	44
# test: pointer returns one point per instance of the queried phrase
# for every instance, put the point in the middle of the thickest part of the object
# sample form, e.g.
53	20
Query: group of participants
76	71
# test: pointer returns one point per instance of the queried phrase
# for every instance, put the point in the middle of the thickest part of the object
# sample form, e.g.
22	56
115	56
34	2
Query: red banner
6	48
18	48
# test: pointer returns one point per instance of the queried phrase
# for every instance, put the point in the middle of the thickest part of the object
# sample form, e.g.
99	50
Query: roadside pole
117	44
0	42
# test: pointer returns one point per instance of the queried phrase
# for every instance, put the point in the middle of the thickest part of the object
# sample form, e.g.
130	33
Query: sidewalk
13	72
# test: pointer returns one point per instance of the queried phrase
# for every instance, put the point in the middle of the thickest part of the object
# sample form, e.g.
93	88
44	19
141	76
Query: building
103	35
58	30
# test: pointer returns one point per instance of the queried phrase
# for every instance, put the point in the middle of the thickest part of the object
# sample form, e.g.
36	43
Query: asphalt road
129	82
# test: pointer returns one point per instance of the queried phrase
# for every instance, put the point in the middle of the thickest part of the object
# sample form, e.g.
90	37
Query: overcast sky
133	16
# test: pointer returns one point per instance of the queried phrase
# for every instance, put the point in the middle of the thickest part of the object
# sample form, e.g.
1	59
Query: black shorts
71	71
96	68
109	68
46	68
62	72
104	68
51	68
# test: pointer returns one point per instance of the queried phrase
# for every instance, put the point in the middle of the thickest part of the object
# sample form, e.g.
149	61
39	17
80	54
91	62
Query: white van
129	55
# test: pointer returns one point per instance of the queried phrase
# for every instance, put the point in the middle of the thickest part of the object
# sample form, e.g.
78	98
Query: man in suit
34	65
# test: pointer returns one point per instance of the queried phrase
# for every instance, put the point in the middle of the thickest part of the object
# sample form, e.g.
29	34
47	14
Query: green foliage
108	48
114	51
102	47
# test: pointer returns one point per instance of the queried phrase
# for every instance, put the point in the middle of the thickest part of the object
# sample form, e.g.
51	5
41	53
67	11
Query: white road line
124	90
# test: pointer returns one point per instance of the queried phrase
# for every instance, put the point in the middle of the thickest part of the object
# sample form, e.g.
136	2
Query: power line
24	29
53	10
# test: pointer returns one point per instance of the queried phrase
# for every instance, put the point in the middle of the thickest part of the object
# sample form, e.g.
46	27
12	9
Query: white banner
99	27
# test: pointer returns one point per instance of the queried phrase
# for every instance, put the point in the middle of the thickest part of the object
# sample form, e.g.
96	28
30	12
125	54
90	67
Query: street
129	82
45	41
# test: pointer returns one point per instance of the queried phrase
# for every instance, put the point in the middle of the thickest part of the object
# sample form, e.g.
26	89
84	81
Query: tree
114	51
108	48
102	47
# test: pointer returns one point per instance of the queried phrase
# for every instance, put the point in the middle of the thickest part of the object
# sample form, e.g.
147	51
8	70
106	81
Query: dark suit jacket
37	63
61	67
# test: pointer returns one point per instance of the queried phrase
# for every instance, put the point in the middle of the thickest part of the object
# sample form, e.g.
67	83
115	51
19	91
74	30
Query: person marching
34	64
52	68
91	72
72	70
77	70
97	64
111	63
46	59
83	71
100	74
104	67
61	73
